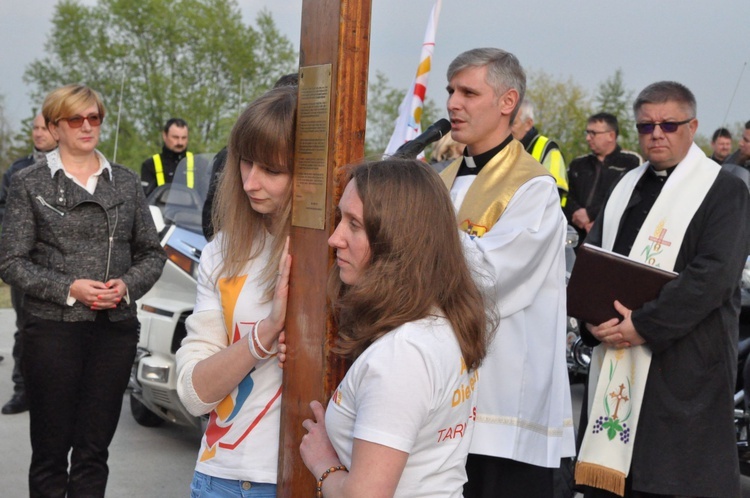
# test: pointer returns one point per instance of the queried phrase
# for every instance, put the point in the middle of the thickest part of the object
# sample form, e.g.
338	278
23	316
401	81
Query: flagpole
119	112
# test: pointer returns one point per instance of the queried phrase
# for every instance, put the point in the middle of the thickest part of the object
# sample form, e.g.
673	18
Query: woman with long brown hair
226	366
415	324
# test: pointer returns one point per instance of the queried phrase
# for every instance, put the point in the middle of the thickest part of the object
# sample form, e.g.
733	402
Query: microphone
412	148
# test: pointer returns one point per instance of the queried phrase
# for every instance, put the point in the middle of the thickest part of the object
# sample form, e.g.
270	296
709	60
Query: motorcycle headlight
571	238
155	374
184	262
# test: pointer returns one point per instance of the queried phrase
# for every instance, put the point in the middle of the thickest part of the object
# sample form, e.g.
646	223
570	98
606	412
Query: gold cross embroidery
619	397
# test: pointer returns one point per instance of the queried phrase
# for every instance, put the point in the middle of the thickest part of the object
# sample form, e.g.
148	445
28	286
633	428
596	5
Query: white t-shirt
242	437
410	391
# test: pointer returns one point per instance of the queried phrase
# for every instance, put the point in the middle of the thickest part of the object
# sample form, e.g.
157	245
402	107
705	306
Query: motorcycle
741	415
741	405
162	312
578	355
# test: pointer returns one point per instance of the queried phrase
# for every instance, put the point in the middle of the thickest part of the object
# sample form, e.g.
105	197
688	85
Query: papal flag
409	122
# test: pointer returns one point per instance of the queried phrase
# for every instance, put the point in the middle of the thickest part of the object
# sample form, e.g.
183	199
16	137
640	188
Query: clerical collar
472	165
664	172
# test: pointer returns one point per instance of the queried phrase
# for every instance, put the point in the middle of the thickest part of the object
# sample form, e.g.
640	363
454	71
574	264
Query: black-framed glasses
666	126
593	133
77	121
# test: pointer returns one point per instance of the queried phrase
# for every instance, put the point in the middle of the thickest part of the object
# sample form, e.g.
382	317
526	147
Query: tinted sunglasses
77	121
666	127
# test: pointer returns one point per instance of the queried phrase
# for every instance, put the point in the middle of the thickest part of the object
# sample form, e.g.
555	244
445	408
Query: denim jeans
205	486
76	374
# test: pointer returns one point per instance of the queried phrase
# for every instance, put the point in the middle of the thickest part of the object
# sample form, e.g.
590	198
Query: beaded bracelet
319	485
257	339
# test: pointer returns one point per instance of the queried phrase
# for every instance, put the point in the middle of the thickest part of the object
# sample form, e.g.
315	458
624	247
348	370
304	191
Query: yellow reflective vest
159	170
551	159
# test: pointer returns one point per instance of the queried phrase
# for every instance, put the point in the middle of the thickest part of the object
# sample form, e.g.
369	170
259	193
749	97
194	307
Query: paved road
144	462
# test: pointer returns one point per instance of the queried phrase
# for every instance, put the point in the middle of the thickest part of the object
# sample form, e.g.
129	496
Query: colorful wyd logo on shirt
221	420
460	396
472	229
337	397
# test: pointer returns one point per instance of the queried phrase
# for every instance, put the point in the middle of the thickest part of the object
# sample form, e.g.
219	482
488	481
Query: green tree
562	108
193	59
737	129
6	138
23	143
704	142
382	111
612	97
13	145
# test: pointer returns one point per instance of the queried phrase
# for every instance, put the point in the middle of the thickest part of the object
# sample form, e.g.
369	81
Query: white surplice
524	410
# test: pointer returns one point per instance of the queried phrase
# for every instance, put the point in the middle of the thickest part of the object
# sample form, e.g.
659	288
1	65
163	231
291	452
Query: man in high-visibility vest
541	148
159	169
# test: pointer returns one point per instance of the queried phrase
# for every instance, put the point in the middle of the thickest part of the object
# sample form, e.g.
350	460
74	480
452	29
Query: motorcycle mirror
156	214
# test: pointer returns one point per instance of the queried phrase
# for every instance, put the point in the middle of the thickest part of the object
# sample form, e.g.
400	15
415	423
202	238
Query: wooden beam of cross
335	33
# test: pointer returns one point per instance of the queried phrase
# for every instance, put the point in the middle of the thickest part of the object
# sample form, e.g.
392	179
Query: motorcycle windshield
181	201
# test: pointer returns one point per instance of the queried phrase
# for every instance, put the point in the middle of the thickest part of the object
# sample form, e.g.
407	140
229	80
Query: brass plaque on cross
311	147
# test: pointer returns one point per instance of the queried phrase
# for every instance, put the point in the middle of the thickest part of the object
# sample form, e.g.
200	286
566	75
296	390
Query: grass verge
4	295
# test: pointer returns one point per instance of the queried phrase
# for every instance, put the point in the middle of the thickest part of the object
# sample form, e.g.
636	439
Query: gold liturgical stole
494	187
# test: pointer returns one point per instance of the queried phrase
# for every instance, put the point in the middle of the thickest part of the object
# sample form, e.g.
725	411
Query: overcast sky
704	44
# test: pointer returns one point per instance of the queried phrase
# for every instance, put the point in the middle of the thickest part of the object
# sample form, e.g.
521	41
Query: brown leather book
600	277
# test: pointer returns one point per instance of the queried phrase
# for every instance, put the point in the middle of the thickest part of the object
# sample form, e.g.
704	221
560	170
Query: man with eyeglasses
592	176
43	143
661	421
742	155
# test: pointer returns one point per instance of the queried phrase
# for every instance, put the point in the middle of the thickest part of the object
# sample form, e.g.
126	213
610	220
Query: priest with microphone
436	131
514	231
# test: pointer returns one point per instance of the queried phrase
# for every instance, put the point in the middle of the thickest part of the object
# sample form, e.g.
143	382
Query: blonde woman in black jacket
79	240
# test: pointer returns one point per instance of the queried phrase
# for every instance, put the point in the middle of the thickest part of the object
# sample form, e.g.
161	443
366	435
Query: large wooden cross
335	40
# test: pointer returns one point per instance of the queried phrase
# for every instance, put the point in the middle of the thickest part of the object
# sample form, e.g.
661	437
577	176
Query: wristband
257	340
251	345
329	471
